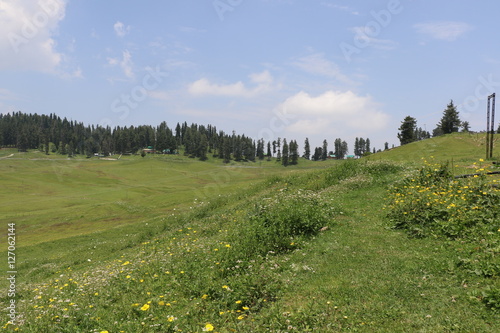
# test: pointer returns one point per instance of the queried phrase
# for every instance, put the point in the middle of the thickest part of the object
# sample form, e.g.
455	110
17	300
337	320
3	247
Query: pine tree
307	149
22	139
407	130
278	155
450	122
318	153
294	152
285	156
465	126
362	146
260	149
340	149
202	148
238	149
62	148
324	150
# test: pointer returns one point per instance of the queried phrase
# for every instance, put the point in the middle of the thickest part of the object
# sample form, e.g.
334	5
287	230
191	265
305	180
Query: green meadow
388	243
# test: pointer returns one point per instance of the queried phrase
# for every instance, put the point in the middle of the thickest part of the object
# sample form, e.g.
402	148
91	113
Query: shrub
276	222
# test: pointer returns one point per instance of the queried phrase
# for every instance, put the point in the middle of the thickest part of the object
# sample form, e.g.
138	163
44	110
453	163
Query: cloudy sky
322	69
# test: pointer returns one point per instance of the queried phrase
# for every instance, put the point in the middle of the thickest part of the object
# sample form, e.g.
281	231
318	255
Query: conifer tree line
449	123
51	134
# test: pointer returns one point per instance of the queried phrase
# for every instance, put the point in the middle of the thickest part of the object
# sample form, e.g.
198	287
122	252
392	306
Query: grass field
170	244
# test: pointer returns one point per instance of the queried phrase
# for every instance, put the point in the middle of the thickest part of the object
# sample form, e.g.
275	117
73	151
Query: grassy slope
369	278
61	205
59	198
357	275
458	146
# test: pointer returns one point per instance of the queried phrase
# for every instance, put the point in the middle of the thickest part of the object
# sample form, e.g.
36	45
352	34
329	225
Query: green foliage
277	221
432	203
450	122
491	298
407	130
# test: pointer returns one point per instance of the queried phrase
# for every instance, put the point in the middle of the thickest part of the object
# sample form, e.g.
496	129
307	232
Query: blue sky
322	69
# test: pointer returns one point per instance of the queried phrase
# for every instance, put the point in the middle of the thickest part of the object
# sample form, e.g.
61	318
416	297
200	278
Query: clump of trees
450	122
409	132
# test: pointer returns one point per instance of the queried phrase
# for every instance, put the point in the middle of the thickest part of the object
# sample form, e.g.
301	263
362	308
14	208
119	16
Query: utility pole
490	126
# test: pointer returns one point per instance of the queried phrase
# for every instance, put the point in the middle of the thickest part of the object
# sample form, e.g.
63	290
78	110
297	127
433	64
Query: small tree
294	152
62	148
307	150
407	130
318	152
202	148
325	150
260	149
465	126
450	122
226	149
340	149
285	154
278	155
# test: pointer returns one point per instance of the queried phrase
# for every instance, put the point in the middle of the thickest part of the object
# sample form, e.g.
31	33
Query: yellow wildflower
208	327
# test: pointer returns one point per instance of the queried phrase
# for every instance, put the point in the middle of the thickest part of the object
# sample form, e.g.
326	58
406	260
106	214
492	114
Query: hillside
458	146
248	248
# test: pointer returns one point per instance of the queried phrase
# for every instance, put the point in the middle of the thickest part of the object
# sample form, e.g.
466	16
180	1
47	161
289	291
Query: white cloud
338	113
262	80
27	30
125	64
444	30
205	87
120	29
317	64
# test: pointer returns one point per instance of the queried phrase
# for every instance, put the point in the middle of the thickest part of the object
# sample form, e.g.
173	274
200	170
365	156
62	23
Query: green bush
276	223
